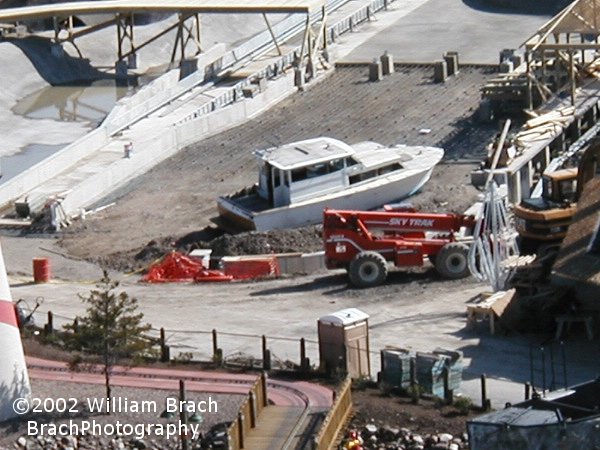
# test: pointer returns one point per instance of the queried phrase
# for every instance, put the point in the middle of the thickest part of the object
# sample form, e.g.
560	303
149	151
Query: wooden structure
563	51
67	19
336	419
248	414
557	58
488	308
577	266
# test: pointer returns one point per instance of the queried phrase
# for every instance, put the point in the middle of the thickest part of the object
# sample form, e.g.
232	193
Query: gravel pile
391	438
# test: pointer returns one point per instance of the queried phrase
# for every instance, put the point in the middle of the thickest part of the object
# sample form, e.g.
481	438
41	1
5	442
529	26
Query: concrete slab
421	31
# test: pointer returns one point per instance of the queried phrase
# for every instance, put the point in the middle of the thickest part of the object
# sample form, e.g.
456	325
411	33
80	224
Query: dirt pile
300	240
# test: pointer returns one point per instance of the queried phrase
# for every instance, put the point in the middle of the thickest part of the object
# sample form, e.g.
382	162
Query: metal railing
346	24
218	68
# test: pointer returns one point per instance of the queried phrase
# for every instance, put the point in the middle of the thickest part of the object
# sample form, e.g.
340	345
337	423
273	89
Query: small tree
111	328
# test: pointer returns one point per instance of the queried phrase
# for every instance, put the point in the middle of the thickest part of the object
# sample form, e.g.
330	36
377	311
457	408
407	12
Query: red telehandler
363	242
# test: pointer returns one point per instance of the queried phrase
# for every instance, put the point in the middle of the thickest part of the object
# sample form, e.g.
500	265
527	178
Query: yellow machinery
546	219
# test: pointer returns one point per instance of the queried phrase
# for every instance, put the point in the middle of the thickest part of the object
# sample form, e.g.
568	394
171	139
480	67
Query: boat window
389	168
276	178
363	176
299	174
336	164
286	179
316	170
350	161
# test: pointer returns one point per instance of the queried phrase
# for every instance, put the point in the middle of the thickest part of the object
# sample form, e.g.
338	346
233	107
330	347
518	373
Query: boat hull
370	195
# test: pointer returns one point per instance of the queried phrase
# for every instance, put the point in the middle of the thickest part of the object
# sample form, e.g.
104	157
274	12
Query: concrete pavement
410	314
421	31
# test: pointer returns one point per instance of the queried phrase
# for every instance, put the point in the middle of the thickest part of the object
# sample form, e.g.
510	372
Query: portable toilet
344	342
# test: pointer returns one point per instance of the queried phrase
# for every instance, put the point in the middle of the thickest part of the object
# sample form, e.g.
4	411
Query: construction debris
176	267
544	126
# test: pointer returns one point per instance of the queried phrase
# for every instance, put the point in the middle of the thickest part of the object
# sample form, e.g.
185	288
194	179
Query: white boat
298	180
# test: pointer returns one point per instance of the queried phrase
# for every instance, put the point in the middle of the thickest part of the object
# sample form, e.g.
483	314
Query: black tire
367	269
452	261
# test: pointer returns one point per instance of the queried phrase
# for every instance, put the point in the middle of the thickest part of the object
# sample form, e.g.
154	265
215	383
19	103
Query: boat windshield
316	170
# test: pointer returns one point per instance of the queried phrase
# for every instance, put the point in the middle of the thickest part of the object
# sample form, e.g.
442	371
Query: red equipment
363	242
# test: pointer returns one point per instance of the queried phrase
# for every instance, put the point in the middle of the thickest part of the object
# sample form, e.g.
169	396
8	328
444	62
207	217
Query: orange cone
14	380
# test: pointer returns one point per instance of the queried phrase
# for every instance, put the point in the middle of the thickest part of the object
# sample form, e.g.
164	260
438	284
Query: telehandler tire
452	261
367	269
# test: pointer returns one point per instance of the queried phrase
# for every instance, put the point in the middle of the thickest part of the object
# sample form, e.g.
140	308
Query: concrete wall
301	263
171	141
162	90
53	165
231	116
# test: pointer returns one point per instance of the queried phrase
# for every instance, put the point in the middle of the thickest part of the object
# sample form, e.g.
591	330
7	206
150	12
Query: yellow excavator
542	222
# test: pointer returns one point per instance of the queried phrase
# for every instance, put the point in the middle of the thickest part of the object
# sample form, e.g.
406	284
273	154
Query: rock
373	439
370	428
69	441
445	438
465	437
418	439
140	444
453	446
431	440
22	442
388	433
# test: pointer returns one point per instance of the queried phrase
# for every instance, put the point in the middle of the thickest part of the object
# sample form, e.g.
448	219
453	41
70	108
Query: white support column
14	379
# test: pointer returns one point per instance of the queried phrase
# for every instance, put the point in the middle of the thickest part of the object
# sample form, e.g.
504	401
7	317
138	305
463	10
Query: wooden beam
565	46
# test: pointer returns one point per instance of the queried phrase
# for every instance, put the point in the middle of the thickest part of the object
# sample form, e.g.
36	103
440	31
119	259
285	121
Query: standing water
87	104
72	103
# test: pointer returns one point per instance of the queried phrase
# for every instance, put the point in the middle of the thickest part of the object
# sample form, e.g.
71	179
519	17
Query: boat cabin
297	171
302	170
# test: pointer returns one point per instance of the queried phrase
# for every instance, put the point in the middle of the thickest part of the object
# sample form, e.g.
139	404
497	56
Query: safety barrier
248	414
250	267
336	418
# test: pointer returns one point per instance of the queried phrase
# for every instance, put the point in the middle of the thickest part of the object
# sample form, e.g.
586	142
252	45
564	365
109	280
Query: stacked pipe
495	238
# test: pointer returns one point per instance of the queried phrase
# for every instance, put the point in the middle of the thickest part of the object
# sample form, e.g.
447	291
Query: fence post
303	365
253	414
241	429
485	402
217	352
263	382
183	415
165	354
49	327
214	342
266	354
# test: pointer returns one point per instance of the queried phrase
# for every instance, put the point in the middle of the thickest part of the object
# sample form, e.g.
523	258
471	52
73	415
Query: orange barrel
41	270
